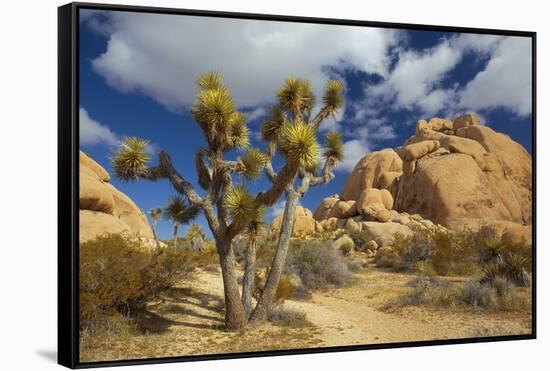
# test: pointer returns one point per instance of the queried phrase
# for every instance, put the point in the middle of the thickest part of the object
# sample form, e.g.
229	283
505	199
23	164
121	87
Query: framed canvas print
239	185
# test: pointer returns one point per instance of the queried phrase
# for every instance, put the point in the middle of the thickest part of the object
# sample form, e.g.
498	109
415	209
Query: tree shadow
155	322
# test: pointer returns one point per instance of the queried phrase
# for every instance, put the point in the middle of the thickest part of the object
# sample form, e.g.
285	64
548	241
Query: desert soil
188	320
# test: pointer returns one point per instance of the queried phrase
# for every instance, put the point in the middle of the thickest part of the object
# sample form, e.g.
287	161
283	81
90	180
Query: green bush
120	274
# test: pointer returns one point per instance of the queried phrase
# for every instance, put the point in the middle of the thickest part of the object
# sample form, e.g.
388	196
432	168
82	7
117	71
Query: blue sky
137	74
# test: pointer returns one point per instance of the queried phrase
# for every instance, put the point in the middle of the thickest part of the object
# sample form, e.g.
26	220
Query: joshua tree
229	208
195	235
295	100
179	212
155	215
253	229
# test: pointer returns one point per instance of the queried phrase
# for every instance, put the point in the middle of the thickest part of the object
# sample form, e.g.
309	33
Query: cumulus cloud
417	80
93	132
161	55
354	150
505	82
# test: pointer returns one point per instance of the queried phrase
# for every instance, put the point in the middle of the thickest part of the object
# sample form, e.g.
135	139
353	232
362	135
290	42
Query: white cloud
505	82
277	208
161	55
92	132
354	150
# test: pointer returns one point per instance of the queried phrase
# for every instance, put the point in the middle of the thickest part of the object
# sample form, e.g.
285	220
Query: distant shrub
281	316
318	264
512	267
386	262
479	295
360	238
119	273
346	247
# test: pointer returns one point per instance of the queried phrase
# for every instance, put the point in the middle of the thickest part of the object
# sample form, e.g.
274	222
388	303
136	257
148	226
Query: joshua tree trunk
266	299
155	235
234	310
249	272
176	229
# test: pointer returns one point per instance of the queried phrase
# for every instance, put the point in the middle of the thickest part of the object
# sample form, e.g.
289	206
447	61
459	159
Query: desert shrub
479	295
501	285
412	249
207	257
281	316
360	238
512	267
120	274
426	291
386	262
318	264
346	247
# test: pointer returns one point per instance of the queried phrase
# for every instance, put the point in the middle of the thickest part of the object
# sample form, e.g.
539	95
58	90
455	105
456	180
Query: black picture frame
68	181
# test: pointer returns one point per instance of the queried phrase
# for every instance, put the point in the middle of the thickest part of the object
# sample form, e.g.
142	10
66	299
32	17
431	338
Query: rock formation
103	208
450	174
304	223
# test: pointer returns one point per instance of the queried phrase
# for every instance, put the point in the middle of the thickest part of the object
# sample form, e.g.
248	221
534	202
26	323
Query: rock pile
453	174
103	208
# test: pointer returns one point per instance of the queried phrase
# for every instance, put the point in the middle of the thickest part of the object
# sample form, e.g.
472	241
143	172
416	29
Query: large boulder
304	224
104	209
383	233
454	174
325	208
371	171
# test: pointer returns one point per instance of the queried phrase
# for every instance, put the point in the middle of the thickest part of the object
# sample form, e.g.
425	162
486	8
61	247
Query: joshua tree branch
287	175
166	170
321	115
327	176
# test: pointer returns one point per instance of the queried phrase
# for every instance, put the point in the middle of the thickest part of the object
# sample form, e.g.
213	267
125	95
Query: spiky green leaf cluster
194	230
298	142
254	161
333	98
155	214
210	80
334	147
180	211
241	205
214	111
272	126
296	96
130	162
238	131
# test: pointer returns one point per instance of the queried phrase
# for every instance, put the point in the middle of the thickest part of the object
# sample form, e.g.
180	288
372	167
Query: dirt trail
352	315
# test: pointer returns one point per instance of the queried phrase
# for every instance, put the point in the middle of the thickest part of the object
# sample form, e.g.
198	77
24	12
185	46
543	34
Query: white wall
28	57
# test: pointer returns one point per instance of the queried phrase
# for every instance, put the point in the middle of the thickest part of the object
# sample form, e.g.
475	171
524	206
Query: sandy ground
188	320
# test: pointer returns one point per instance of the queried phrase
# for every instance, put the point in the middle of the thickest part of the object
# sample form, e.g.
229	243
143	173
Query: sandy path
352	315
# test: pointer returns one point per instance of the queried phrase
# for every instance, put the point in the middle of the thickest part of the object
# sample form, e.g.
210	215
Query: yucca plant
155	215
179	212
290	129
230	209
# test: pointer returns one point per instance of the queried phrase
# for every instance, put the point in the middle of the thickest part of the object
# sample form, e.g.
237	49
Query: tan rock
387	199
368	171
508	231
418	150
377	212
96	223
346	209
387	179
372	245
94	194
303	226
383	233
85	160
368	197
104	209
324	209
352	226
465	121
